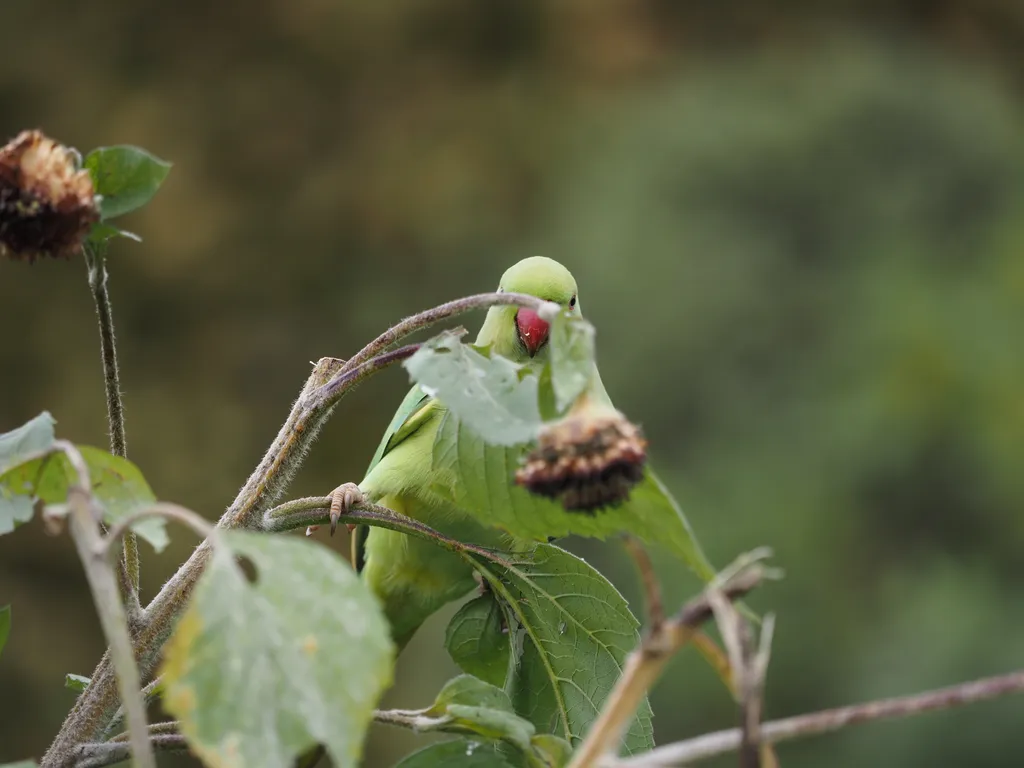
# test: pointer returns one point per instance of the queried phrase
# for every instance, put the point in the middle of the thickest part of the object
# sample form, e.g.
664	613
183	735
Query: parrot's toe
343	498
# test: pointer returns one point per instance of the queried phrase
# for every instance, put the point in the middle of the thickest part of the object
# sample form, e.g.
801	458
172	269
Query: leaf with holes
259	673
578	632
477	642
117	486
484	485
495	397
127	178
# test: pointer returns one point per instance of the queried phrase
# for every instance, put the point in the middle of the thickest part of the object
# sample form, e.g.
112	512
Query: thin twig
150	692
652	589
165	509
722	742
164	727
85	532
644	666
96	263
97	755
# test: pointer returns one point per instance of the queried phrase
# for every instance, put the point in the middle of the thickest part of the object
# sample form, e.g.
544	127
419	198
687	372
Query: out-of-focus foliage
796	228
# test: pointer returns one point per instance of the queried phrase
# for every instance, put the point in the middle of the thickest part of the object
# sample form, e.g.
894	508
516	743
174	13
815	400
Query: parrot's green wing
402	424
413	411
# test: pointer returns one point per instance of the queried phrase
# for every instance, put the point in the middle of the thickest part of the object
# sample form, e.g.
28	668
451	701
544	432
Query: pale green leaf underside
578	632
259	673
494	396
485	486
572	357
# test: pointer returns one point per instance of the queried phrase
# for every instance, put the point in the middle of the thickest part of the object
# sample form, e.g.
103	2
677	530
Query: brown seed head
589	460
47	205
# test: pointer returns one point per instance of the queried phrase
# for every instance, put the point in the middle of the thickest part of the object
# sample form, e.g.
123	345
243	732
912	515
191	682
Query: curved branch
442	312
314	510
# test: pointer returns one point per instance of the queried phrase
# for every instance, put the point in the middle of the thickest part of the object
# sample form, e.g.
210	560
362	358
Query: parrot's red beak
533	331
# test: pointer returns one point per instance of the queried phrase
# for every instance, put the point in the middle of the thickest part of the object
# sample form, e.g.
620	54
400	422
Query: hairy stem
100	754
722	742
96	263
437	314
314	405
85	531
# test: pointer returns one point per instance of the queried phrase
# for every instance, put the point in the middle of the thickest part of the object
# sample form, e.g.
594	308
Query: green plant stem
85	531
98	702
96	263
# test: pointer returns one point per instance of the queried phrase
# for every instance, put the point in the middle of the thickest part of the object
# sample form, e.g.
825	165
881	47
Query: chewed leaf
126	178
573	620
489	393
259	673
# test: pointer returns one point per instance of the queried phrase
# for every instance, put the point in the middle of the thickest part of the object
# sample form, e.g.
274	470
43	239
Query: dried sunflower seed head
589	460
47	205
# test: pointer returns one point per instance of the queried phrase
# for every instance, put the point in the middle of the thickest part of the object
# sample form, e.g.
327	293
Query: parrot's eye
572	302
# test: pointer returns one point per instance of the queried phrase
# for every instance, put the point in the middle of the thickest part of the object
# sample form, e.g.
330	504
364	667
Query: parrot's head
518	332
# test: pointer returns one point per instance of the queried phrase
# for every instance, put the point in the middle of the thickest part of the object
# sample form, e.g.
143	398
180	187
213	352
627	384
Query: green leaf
29	439
259	673
5	625
456	754
578	632
494	396
485	487
127	178
20	764
552	751
572	357
75	682
468	704
117	485
102	232
16	446
470	690
476	642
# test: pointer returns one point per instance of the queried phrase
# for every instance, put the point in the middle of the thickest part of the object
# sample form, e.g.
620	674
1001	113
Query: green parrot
410	576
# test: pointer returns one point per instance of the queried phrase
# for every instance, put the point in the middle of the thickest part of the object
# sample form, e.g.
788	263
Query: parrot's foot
343	498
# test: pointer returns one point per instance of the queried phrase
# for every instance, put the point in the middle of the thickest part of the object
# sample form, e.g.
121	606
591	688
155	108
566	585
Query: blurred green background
798	227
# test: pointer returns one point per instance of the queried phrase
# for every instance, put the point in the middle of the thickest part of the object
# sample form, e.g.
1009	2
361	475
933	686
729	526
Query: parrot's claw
343	498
